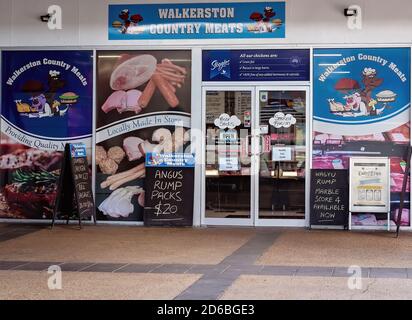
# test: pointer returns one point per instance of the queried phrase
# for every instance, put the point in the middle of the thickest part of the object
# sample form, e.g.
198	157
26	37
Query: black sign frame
155	212
332	181
69	192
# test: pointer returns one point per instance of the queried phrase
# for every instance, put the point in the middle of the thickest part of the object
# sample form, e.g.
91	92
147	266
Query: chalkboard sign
74	194
169	189
329	197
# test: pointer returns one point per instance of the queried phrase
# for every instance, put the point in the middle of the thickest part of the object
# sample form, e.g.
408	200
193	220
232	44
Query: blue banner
369	88
164	160
196	21
78	150
256	65
47	97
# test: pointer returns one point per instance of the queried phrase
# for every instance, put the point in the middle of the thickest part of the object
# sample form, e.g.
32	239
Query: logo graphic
55	21
129	23
295	61
45	98
225	121
265	21
220	68
54	282
355	21
359	100
280	120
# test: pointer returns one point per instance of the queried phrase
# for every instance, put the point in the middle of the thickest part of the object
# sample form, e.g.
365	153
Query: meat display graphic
135	90
134	71
32	184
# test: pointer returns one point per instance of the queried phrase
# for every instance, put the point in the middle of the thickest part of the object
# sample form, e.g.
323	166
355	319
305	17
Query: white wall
308	22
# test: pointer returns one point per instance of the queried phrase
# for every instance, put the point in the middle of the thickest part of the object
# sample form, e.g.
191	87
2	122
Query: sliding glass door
228	164
255	156
281	178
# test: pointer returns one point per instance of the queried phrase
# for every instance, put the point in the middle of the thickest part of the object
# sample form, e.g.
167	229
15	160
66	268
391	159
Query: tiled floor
212	279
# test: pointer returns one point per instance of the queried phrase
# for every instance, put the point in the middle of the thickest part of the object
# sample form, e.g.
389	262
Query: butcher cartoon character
134	27
268	13
39	103
124	15
360	101
355	104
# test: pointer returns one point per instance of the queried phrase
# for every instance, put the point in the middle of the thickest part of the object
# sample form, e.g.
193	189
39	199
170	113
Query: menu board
369	184
74	190
169	189
329	201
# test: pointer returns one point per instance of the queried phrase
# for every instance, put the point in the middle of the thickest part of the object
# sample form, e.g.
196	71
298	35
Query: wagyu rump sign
197	21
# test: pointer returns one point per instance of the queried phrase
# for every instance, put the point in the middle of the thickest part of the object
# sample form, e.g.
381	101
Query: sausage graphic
147	94
165	90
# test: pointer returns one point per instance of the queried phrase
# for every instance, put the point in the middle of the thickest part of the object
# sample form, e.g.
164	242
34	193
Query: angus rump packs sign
169	189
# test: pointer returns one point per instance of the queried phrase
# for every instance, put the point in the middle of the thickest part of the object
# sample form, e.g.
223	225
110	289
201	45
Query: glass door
255	170
228	191
282	167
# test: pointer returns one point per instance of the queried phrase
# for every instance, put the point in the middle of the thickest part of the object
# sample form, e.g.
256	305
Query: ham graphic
123	101
133	72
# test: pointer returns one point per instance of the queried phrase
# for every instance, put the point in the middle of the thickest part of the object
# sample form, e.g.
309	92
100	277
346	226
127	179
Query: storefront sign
369	184
256	65
143	107
196	21
361	91
329	200
47	101
169	189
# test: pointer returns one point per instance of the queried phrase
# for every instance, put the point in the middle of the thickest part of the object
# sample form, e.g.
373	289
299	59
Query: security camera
45	18
348	12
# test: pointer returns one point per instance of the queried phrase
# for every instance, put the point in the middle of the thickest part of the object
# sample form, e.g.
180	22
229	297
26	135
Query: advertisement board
256	65
369	184
143	106
361	107
47	101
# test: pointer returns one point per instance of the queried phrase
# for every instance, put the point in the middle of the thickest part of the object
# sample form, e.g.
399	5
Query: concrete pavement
108	262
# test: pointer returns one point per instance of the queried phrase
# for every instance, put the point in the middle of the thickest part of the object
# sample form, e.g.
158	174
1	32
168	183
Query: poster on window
361	107
369	184
143	106
46	102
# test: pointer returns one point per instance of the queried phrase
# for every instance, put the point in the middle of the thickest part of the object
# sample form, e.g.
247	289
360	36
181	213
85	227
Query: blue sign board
256	65
197	21
367	87
78	150
47	97
165	160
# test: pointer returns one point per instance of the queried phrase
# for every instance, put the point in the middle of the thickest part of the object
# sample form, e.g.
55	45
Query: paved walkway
234	263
